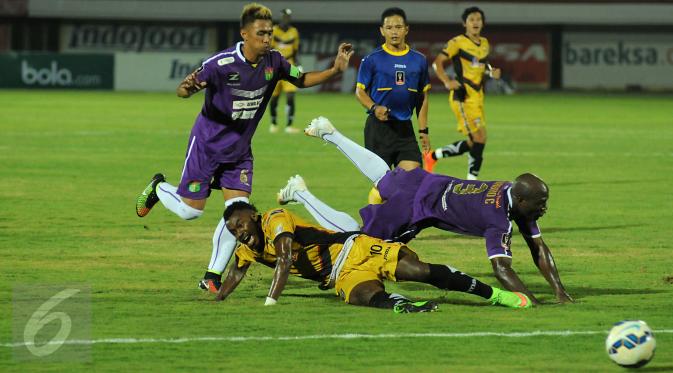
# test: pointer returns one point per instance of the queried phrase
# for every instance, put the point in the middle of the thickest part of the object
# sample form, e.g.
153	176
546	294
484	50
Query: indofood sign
136	38
49	70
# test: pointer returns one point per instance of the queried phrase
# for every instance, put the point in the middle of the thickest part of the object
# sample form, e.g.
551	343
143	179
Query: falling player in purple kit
416	199
239	82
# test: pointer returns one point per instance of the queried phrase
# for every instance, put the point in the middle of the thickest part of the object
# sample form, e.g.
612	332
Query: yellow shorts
285	86
369	259
470	116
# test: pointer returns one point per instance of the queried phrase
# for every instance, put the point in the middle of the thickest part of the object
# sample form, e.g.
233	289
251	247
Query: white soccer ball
631	343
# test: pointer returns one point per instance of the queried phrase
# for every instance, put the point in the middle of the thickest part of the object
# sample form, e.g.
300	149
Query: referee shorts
394	141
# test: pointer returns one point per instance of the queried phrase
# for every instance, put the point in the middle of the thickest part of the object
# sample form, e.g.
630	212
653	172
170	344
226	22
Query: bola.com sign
49	70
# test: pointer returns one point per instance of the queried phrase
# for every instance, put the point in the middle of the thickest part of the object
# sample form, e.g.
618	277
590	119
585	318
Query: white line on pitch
323	336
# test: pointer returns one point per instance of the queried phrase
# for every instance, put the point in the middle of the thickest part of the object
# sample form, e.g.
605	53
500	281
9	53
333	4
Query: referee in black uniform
392	82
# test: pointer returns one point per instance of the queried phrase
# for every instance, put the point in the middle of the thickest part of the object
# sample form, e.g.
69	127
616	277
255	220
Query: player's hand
425	142
343	56
191	84
381	112
452	85
496	73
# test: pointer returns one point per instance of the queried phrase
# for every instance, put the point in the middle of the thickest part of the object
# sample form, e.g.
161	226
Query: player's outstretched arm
340	64
283	244
190	85
234	277
502	268
545	263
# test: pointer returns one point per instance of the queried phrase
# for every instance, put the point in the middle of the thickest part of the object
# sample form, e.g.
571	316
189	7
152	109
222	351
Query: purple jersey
236	97
416	200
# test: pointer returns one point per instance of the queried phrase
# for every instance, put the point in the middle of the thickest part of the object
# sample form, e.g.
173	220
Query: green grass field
72	163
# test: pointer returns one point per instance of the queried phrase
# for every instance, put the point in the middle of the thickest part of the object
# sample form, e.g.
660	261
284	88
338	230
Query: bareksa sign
617	61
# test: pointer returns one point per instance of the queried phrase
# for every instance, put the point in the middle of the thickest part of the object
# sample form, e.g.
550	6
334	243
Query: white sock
169	197
224	243
326	216
370	164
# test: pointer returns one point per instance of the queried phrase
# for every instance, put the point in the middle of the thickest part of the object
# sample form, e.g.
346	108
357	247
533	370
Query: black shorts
394	141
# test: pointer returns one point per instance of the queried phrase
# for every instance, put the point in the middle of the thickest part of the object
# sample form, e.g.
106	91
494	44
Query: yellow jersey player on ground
286	41
469	56
352	263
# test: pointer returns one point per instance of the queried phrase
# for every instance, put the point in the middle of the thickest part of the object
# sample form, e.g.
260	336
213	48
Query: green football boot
408	306
148	198
510	299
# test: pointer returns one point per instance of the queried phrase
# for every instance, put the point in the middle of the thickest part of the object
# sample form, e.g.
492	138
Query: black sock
385	300
212	276
457	148
447	278
289	110
273	108
476	158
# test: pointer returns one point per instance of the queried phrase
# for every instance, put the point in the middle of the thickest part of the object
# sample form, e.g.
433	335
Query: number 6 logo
42	317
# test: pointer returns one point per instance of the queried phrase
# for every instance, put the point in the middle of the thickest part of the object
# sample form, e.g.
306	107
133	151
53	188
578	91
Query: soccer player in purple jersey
416	200
238	84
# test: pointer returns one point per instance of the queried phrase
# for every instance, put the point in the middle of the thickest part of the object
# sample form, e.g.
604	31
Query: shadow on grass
604	182
447	237
663	368
598	228
579	293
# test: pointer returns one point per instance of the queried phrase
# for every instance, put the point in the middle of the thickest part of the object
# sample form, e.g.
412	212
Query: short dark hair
238	205
393	12
253	12
471	10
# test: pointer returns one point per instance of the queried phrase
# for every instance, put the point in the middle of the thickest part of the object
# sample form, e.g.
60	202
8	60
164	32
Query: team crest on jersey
268	73
399	77
194	186
244	177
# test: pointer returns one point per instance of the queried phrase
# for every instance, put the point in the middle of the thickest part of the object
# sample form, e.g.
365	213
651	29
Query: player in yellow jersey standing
286	41
469	55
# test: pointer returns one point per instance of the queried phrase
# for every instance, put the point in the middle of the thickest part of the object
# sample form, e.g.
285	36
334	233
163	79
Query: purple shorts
201	173
392	219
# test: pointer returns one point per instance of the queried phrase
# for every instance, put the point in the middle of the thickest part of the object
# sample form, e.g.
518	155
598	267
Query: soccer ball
631	344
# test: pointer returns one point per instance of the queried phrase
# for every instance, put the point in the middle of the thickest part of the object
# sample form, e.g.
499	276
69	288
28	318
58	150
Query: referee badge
399	77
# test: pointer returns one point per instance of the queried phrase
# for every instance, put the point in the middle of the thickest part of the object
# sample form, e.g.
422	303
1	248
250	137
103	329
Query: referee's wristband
372	109
425	130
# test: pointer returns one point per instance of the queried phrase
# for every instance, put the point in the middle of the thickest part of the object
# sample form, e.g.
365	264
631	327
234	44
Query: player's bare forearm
234	277
544	260
438	66
363	98
502	268
423	123
317	77
283	246
340	64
